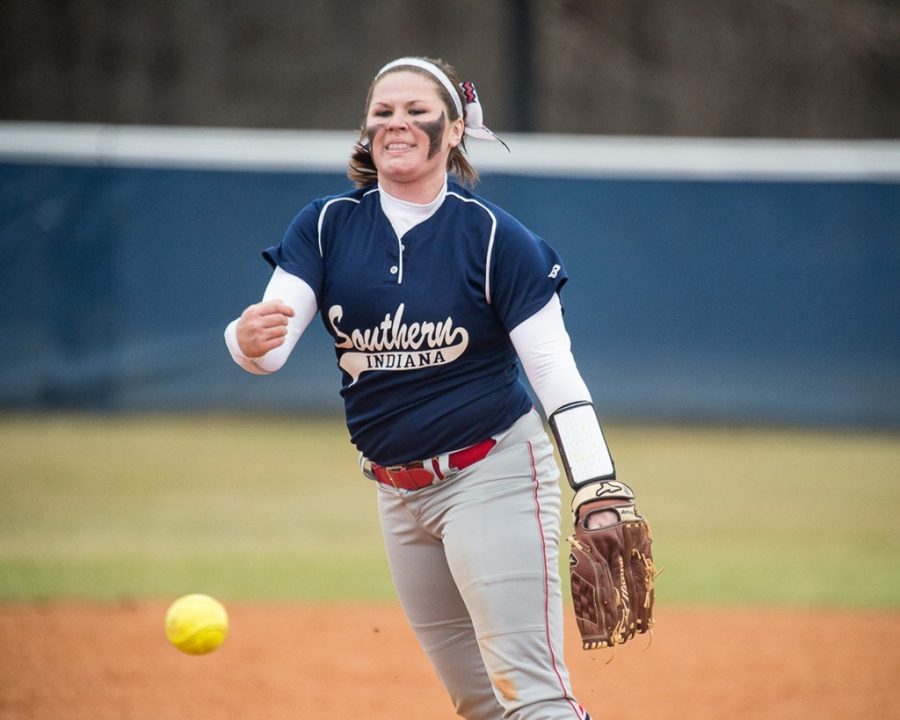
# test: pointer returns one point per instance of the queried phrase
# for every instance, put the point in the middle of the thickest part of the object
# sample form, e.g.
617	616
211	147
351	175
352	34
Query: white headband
439	74
474	115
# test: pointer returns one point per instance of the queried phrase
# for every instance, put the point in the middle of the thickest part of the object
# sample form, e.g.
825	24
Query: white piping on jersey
399	255
490	249
377	189
322	218
321	222
404	215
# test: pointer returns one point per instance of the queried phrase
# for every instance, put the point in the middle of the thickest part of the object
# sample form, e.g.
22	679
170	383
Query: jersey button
394	269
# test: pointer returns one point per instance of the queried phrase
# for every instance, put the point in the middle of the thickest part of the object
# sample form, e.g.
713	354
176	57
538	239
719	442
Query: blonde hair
362	170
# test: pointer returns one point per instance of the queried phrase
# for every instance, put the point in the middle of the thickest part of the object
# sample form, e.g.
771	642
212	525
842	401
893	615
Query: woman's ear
457	128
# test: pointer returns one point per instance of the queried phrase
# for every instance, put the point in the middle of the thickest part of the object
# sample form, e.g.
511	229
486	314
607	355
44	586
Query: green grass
275	508
769	516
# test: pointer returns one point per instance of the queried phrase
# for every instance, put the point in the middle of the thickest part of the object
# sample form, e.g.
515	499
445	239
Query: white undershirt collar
404	215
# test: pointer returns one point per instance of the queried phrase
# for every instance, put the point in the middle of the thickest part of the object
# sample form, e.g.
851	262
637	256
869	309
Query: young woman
431	293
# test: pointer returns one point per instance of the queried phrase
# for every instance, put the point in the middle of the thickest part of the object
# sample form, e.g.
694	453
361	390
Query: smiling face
410	135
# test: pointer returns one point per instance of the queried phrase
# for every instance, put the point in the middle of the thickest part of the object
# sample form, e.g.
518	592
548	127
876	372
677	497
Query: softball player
431	293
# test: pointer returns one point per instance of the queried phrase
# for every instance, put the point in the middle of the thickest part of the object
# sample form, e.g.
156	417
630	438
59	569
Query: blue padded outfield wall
730	295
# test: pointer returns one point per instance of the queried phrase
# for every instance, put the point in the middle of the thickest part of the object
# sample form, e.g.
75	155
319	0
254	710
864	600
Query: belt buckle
415	476
411	476
390	470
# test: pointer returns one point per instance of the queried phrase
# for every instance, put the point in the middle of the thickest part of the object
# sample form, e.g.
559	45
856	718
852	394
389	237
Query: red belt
422	473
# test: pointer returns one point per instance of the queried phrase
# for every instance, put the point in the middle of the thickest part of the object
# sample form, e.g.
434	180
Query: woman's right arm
262	338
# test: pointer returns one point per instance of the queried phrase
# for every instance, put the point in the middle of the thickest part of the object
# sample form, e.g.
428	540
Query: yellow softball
196	624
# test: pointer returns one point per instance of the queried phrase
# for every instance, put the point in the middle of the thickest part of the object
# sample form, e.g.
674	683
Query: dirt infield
98	662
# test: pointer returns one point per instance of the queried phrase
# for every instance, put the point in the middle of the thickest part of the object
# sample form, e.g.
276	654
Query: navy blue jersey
421	326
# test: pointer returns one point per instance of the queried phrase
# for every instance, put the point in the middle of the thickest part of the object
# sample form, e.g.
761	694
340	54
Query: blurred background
722	179
730	68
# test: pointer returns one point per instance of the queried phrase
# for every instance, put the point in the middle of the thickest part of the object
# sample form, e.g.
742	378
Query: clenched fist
263	327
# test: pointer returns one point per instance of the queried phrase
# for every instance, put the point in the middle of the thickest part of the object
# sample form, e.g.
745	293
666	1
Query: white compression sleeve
296	294
545	350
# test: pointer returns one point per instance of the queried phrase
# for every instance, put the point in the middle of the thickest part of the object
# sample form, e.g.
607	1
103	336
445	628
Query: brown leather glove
610	566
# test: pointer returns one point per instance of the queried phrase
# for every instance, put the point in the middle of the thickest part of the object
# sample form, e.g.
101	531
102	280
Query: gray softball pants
475	562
